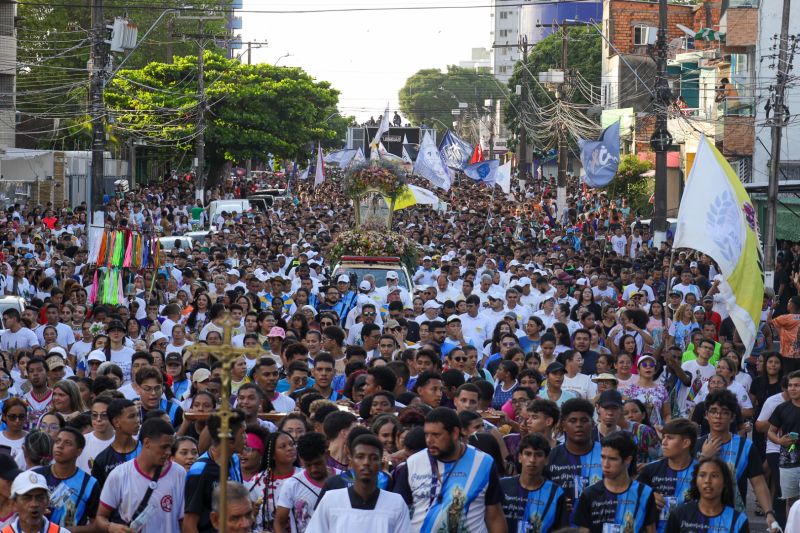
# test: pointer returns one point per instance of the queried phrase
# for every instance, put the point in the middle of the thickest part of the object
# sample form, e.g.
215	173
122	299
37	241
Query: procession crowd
549	369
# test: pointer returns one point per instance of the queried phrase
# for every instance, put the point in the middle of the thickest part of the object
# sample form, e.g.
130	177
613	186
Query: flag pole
489	211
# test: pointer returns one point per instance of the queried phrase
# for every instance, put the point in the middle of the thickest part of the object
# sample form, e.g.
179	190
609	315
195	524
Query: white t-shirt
697	372
334	514
737	390
65	336
299	494
80	350
282	403
16	449
121	358
24	339
126	485
618	244
94	446
769	407
581	385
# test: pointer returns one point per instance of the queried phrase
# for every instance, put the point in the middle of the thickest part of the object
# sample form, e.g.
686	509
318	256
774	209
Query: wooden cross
227	355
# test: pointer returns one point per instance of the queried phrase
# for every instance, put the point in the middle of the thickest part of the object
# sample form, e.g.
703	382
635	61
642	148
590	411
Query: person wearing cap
611	418
116	350
425	274
617	498
431	310
711	315
392	281
348	296
554	379
31	497
56	366
652	394
65	338
455	336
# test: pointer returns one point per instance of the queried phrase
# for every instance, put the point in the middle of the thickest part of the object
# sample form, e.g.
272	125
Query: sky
366	55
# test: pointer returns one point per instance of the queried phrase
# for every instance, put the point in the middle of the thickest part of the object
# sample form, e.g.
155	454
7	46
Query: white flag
503	177
382	128
319	171
430	164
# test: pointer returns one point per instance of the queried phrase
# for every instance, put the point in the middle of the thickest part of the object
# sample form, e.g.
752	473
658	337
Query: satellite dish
688	31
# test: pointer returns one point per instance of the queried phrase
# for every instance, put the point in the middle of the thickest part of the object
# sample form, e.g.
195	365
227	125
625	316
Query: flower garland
371	243
380	175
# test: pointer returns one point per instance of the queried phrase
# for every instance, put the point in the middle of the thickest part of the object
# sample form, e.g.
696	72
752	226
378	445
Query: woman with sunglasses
15	414
652	394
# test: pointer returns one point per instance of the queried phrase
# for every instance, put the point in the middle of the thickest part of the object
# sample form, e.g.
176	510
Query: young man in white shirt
127	485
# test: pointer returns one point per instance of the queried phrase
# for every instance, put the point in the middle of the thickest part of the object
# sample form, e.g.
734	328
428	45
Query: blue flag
455	151
600	158
430	164
483	171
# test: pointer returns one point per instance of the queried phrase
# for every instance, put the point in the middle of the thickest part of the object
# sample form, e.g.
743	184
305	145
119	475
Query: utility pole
522	160
779	108
200	141
96	110
563	149
661	139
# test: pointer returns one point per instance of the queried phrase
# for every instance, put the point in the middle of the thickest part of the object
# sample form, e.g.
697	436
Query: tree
429	96
584	57
252	110
631	183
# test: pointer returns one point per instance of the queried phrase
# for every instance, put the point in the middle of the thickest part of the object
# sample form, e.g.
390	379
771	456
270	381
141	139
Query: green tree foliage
252	110
631	183
584	55
430	95
54	43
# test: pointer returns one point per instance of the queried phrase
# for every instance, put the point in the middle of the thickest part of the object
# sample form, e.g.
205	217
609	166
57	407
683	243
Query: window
504	51
504	14
503	33
643	35
503	69
6	91
7	19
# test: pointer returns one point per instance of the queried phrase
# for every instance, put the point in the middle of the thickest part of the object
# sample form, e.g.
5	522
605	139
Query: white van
216	207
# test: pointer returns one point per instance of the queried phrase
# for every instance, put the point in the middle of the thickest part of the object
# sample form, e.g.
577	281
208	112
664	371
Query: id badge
669	501
579	484
612	528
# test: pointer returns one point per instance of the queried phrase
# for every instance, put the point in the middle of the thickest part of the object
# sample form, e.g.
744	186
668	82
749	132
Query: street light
275	64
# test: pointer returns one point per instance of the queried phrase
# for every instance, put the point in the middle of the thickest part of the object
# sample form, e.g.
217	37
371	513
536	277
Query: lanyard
437	478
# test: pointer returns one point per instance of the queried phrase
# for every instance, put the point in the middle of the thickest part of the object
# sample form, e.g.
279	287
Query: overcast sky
366	55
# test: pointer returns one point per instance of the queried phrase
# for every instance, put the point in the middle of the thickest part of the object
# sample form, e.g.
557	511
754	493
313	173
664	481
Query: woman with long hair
67	400
200	312
253	458
654	395
658	327
586	300
493	346
280	463
680	332
710	501
299	323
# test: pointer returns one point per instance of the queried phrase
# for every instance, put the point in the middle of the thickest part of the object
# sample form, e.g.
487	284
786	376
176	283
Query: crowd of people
547	369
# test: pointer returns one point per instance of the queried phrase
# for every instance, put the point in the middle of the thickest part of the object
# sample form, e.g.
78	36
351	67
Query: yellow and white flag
716	217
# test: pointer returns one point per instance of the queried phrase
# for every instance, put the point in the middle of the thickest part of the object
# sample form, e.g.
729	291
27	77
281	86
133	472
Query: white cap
432	304
50	273
392	275
28	481
496	293
427	258
233	272
523	282
344	278
364	285
693	264
157	336
58	350
96	355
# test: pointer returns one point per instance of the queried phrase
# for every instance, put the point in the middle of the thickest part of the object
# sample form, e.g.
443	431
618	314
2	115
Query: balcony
235	23
737	125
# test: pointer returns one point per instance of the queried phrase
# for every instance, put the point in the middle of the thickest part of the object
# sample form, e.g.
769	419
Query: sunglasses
460	359
647	364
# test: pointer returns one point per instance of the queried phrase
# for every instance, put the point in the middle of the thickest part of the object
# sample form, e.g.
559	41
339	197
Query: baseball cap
157	336
96	355
432	304
610	398
59	351
344	278
277	332
495	293
173	358
524	282
693	264
708	298
200	375
364	285
391	275
391	324
28	481
605	376
699	309
233	272
118	325
427	258
555	366
453	318
55	361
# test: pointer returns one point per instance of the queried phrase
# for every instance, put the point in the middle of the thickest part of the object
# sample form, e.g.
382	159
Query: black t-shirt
742	456
727	328
761	389
687	518
544	506
109	459
786	417
632	510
